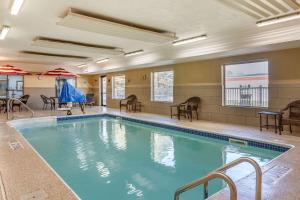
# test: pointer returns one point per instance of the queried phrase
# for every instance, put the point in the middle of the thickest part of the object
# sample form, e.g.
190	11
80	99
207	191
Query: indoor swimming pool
108	157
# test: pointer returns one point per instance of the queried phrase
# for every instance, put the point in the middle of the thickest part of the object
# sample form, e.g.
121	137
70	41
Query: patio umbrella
59	72
11	70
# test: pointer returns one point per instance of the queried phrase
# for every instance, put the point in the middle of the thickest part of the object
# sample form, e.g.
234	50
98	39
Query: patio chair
290	115
128	102
90	99
47	101
187	108
23	99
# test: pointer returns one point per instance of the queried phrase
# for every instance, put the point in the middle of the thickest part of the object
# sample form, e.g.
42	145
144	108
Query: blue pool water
110	159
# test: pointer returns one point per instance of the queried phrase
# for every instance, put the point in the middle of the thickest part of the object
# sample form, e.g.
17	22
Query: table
137	107
268	114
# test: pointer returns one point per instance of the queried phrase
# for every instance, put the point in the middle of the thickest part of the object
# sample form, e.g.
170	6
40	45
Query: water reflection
119	136
103	132
102	169
132	190
162	147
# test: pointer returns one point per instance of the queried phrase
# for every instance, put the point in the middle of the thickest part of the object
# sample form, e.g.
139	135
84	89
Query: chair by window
187	108
23	99
290	115
90	99
48	101
128	102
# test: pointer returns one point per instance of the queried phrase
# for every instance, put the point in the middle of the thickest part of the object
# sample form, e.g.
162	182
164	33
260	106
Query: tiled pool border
218	136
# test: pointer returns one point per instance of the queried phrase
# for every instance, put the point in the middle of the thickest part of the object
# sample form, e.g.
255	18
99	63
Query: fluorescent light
133	53
4	31
189	40
16	6
80	66
280	19
102	60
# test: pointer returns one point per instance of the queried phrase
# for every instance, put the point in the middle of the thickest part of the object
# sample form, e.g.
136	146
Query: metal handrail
15	99
257	171
204	180
220	173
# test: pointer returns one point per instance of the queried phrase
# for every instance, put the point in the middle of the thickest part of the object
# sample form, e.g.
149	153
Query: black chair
128	102
90	99
23	99
187	108
48	101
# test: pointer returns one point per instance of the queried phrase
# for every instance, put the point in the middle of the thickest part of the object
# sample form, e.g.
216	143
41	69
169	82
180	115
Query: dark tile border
185	130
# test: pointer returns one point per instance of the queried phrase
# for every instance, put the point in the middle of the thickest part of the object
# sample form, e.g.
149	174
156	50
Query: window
246	84
118	87
11	86
60	83
162	86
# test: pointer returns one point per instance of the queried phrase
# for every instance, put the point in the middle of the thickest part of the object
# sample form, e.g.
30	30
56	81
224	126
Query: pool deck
24	174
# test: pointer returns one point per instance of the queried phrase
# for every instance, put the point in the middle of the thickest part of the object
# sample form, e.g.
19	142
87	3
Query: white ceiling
230	32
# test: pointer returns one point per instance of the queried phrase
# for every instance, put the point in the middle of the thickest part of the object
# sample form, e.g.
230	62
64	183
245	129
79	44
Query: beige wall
35	86
203	79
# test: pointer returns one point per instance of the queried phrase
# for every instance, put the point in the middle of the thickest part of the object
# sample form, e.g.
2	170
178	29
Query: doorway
103	90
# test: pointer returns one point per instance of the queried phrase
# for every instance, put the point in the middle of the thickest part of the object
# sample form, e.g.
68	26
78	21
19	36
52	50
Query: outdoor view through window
118	87
246	84
162	86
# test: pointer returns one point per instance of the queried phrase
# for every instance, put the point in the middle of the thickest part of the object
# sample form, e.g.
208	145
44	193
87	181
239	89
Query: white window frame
113	87
153	90
224	84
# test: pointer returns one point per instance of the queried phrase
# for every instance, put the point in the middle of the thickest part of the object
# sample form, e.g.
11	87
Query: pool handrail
220	173
15	99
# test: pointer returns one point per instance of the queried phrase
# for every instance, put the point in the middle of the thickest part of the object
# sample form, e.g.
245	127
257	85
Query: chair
187	108
128	102
90	99
23	99
290	115
3	105
47	101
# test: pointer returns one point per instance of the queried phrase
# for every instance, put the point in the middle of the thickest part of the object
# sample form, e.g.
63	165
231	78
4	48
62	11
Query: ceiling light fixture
277	20
81	66
16	6
102	60
4	32
133	53
190	40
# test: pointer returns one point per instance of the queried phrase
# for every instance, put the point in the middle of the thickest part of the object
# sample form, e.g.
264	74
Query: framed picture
19	85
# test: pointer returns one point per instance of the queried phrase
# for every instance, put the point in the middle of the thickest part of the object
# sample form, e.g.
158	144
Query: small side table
276	116
177	111
137	106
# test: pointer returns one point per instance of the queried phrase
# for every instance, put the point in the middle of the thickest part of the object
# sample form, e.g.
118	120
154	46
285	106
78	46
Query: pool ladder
220	173
8	104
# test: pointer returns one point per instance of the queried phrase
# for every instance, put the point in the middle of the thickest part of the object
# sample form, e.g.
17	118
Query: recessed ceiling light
80	66
280	19
189	40
102	60
16	6
133	53
4	32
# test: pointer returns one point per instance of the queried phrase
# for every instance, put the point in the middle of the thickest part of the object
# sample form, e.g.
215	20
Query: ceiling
229	24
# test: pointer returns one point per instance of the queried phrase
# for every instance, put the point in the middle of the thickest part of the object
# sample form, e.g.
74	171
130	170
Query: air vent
15	145
238	142
53	55
76	46
264	9
114	27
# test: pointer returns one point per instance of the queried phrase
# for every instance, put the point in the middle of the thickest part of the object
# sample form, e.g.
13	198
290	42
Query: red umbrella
59	72
11	70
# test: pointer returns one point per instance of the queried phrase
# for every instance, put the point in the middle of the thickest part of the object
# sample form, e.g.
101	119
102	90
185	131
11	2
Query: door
103	90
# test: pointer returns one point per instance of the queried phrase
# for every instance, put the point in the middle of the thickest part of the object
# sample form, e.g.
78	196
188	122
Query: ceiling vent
113	27
264	9
76	46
